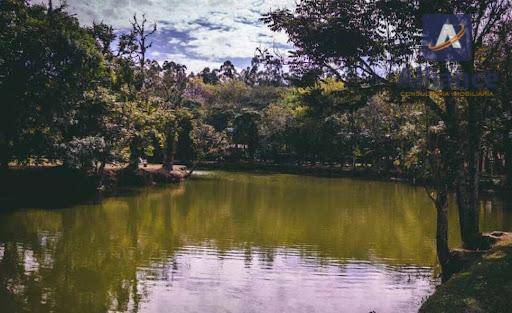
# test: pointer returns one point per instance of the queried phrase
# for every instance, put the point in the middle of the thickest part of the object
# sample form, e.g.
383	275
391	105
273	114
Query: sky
197	33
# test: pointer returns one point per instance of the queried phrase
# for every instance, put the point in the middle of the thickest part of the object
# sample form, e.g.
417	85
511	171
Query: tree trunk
508	164
466	179
442	249
4	156
469	181
170	152
471	235
4	162
135	154
441	158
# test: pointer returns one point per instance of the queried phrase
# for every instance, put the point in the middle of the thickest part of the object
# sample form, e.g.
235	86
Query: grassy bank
486	286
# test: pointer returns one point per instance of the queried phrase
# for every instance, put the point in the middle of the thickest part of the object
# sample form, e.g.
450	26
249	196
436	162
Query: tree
209	144
105	37
42	49
132	49
168	84
227	71
140	34
497	55
174	83
274	131
265	69
209	76
384	36
246	132
185	149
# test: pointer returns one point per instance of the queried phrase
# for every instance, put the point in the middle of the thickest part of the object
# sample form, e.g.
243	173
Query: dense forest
84	97
89	96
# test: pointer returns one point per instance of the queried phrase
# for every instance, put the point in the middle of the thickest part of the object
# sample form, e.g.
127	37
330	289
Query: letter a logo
447	37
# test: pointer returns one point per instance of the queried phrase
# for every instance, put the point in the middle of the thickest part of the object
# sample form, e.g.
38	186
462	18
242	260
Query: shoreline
489	186
51	186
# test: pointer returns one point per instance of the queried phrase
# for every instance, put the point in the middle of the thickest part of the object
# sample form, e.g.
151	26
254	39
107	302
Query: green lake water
230	242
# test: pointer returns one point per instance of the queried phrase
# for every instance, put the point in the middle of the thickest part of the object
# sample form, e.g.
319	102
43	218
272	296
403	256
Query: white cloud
174	41
217	29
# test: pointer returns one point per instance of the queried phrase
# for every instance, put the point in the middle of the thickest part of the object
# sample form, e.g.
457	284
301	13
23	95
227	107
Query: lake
231	242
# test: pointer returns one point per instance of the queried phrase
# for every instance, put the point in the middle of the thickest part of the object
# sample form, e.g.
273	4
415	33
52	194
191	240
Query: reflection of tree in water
86	259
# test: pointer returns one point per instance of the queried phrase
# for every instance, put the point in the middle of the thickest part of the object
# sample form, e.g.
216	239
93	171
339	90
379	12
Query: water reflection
228	242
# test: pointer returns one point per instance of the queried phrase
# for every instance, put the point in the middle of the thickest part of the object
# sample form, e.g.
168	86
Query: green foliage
245	131
69	98
47	63
83	153
185	145
210	144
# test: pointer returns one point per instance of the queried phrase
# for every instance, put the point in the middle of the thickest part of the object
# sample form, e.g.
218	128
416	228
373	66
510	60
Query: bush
84	153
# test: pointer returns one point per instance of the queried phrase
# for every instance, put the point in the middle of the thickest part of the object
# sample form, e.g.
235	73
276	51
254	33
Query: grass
485	287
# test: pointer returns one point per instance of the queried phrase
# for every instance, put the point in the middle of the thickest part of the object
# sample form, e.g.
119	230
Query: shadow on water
44	188
52	188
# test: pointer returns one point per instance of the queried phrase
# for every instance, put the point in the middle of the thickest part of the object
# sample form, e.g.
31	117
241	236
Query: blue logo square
447	37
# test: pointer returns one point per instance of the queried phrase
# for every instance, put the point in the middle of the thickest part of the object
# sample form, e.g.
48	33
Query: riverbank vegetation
84	97
483	287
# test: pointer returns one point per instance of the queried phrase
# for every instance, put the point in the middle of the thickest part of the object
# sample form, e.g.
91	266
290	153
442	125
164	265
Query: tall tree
141	34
